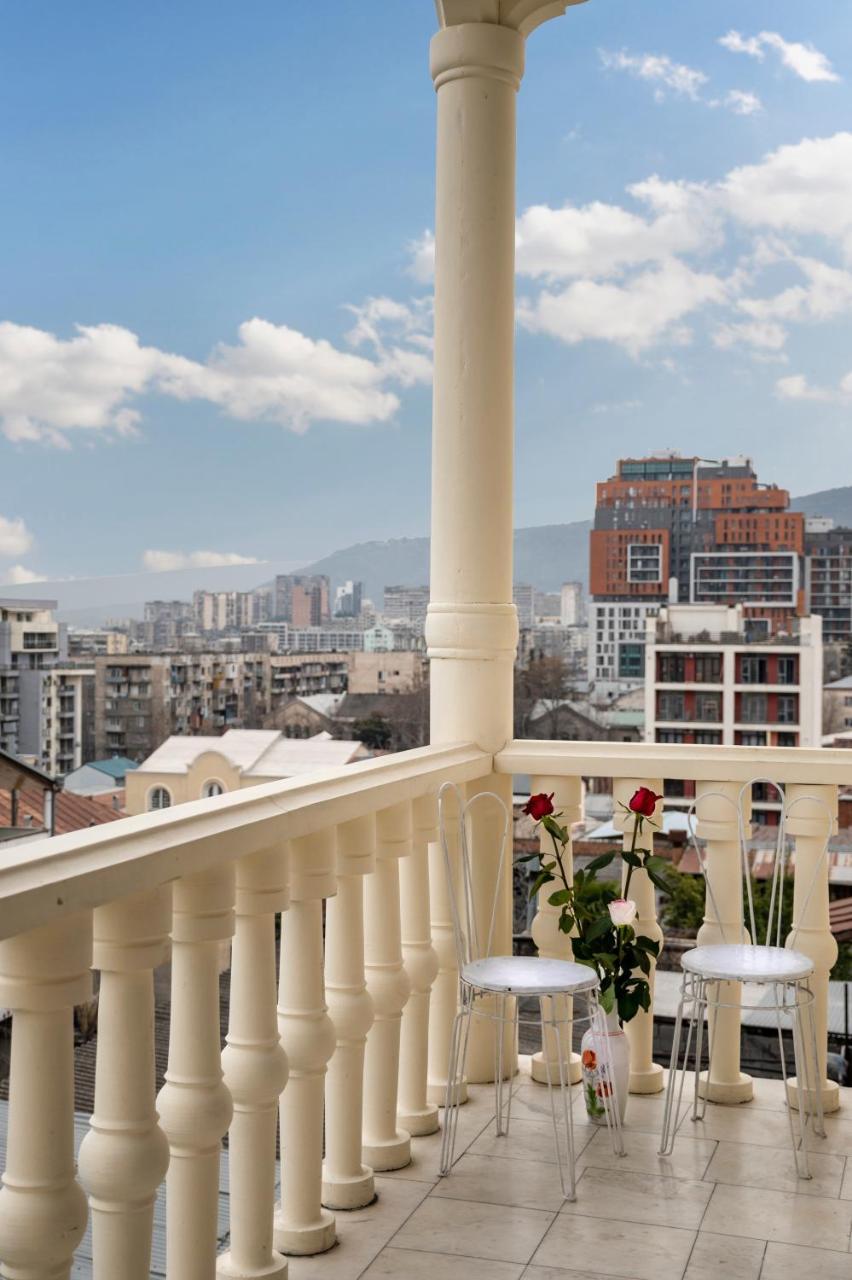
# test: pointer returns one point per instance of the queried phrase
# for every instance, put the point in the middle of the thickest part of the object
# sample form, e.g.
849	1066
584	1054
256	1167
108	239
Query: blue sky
174	172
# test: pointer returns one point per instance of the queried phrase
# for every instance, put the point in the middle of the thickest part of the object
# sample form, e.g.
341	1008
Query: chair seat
529	975
743	963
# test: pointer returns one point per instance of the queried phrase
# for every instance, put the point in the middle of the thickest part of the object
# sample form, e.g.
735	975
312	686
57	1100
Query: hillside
835	503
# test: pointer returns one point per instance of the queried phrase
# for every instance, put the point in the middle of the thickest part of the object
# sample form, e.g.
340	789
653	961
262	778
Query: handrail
47	879
719	763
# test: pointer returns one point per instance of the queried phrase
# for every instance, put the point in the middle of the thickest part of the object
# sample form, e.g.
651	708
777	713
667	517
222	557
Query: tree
374	732
542	684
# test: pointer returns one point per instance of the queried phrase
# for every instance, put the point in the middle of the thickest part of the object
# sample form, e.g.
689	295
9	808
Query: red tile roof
73	812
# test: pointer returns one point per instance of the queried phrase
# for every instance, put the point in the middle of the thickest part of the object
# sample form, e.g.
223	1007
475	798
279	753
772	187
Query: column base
302	1242
728	1093
421	1122
649	1081
349	1193
227	1269
538	1069
437	1093
830	1095
384	1157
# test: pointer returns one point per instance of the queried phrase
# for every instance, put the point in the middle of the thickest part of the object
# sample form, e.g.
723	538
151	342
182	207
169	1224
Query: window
631	661
753	708
787	673
708	668
212	788
787	740
669	735
707	738
752	669
671	706
159	798
787	708
644	562
752	740
708	706
672	668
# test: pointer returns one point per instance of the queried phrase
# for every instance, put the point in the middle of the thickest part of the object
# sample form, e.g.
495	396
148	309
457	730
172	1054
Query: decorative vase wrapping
606	1068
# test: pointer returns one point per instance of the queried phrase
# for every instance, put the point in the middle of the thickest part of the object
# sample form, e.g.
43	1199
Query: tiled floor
726	1205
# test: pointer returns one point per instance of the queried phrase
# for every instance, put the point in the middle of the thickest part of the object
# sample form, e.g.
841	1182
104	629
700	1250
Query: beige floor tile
363	1233
689	1159
846	1188
792	1262
525	1184
774	1168
409	1264
756	1125
559	1273
426	1151
468	1228
644	1111
779	1216
641	1197
724	1258
528	1140
636	1251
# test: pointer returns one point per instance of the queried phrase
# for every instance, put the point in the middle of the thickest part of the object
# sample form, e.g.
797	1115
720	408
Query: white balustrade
347	1183
812	814
125	1155
255	1067
385	1146
43	975
646	1075
194	1104
302	1225
567	799
445	988
416	1113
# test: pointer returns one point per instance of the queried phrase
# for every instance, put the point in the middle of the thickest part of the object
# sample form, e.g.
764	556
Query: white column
811	809
255	1067
43	974
194	1104
302	1226
646	1075
471	627
568	800
346	1182
716	809
417	1114
125	1155
384	1146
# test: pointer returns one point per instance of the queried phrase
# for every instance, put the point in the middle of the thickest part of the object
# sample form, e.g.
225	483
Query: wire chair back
471	943
774	936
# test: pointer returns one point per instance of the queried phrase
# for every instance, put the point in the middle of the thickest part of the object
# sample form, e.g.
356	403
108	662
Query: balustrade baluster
646	1075
445	988
347	1183
811	934
716	809
567	799
417	1115
302	1226
194	1104
125	1154
255	1067
43	974
384	1146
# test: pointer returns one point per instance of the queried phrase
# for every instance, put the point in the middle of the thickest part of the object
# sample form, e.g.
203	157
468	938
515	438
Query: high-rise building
57	723
687	530
347	600
302	599
165	622
572	604
406	604
828	577
30	639
523	596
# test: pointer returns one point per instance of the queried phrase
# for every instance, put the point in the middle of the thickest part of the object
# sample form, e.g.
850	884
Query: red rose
539	806
644	802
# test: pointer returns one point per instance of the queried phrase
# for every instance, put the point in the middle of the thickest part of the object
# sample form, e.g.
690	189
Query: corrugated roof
291	756
116	766
73	812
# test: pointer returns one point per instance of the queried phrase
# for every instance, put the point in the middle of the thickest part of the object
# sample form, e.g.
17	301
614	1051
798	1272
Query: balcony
365	1001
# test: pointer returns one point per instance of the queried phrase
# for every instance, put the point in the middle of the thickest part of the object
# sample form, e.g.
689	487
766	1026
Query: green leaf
527	857
560	897
664	885
598	928
566	922
598	864
544	877
632	859
606	999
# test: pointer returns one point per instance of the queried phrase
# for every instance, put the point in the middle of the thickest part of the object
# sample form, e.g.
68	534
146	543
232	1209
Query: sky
215	295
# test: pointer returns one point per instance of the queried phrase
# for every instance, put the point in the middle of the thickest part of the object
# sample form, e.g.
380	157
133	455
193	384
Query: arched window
212	788
159	798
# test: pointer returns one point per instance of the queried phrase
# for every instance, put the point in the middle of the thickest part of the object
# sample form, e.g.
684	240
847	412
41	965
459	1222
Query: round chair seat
529	975
742	963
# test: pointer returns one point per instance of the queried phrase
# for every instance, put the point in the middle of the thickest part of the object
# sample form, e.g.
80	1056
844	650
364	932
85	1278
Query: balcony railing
353	1005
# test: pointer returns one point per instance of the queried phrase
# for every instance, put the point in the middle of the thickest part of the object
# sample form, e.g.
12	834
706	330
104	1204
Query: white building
616	638
572	612
58	717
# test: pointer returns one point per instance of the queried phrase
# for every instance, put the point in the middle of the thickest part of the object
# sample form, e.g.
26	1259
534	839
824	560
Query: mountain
545	556
835	503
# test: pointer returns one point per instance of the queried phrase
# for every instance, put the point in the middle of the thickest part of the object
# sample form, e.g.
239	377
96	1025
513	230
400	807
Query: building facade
406	604
57	717
30	640
302	599
828	578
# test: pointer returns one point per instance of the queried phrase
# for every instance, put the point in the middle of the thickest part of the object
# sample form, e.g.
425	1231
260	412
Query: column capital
519	15
477	49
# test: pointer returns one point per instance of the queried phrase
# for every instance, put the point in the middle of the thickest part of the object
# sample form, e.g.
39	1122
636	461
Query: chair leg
515	1017
701	1011
499	1034
678	1072
455	1076
569	1189
674	1087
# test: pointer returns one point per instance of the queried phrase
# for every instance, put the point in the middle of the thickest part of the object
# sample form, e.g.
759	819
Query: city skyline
675	279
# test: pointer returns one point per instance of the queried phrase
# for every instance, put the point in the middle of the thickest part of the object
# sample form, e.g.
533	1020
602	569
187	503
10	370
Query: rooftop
259	753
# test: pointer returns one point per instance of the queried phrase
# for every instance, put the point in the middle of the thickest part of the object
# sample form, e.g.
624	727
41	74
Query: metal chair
774	964
492	986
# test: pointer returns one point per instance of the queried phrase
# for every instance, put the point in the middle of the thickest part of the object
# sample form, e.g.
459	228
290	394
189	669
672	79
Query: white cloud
15	537
636	315
400	335
17	576
764	336
803	59
422	257
797	387
742	102
162	561
658	69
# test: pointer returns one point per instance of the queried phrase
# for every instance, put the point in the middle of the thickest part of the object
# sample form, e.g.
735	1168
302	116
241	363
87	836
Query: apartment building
302	599
348	599
57	722
406	604
828	577
572	604
165	621
388	672
30	639
711	681
687	530
84	643
523	598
